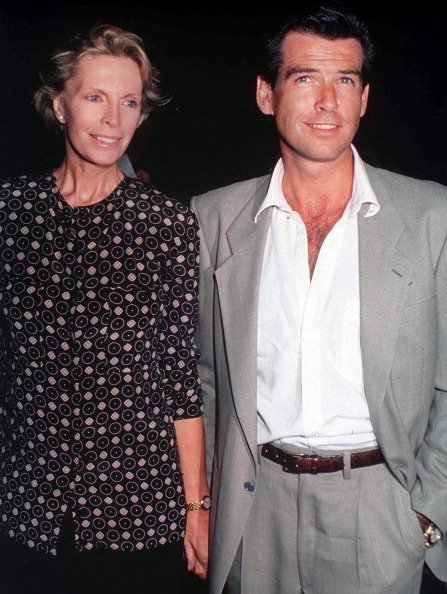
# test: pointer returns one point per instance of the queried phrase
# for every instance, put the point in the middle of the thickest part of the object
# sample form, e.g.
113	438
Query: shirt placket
71	372
78	306
313	338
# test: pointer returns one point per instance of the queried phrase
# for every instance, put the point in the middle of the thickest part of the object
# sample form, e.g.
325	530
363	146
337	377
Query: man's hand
432	534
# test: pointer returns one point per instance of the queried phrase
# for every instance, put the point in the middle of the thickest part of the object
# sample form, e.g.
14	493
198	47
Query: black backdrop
211	133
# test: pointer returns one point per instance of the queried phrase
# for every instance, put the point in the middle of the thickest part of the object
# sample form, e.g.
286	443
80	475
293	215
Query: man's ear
365	95
264	95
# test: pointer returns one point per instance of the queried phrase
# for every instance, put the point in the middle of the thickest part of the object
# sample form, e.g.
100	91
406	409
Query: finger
200	571
190	557
202	557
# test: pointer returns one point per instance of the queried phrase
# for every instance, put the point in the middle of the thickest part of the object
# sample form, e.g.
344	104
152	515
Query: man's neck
319	193
318	189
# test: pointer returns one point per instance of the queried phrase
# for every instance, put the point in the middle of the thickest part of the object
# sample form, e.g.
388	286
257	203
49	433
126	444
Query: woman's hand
191	448
197	541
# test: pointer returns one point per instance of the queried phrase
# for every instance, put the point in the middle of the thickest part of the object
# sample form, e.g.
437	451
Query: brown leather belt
313	464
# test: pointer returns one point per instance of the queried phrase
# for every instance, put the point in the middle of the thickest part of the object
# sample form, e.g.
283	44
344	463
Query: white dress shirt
310	389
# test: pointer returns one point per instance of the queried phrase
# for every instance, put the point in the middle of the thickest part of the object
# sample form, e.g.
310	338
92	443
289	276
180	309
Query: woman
102	449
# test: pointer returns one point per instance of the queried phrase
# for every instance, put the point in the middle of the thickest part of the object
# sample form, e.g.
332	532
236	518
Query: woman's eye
93	98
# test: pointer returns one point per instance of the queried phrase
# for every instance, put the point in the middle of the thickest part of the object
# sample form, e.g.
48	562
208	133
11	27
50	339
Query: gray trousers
334	533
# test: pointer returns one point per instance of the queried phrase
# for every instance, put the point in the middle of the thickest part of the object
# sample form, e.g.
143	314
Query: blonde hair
101	40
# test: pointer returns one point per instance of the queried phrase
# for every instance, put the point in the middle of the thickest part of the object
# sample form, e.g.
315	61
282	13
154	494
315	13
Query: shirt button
250	487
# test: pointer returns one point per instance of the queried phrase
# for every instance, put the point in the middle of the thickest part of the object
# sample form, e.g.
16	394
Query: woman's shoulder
21	191
147	197
27	178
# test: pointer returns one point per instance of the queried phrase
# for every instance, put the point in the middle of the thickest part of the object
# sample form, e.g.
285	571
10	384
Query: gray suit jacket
403	298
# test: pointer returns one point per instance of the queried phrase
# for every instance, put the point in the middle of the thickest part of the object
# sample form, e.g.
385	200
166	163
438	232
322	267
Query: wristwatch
204	503
432	534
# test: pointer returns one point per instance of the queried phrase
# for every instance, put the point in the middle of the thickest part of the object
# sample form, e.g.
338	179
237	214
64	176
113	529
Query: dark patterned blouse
98	306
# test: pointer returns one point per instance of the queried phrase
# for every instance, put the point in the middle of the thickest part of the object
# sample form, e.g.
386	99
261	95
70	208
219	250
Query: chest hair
317	230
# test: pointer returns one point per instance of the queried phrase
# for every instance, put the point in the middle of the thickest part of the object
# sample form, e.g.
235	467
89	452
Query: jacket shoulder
231	198
407	190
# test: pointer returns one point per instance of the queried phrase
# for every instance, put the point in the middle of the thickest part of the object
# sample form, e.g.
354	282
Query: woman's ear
58	109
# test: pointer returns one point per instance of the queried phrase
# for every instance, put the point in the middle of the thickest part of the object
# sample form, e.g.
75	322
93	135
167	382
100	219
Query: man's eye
303	78
346	80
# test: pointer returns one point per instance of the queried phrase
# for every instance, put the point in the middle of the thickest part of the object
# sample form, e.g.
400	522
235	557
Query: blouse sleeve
179	310
5	369
4	362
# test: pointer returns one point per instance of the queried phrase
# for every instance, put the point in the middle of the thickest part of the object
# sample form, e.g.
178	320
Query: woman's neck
81	183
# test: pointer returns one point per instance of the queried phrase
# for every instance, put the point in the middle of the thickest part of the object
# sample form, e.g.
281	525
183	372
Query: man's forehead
310	47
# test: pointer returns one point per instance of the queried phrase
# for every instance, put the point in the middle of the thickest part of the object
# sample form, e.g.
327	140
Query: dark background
211	132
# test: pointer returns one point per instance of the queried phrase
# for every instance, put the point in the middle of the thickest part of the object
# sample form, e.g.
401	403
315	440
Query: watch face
432	535
206	502
435	535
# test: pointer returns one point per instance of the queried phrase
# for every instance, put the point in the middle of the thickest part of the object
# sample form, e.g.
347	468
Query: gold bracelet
204	503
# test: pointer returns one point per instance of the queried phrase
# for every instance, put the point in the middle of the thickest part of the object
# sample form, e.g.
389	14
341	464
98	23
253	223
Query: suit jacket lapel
385	274
238	282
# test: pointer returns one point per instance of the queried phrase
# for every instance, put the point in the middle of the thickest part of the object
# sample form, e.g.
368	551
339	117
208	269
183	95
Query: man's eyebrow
353	71
302	70
298	70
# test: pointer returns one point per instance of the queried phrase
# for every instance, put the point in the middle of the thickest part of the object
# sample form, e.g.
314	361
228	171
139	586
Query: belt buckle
313	458
286	463
314	464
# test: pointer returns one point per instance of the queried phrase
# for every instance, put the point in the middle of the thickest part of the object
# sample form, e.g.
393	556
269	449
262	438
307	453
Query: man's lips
323	126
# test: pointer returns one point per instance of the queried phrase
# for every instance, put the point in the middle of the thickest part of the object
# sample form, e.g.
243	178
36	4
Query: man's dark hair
325	21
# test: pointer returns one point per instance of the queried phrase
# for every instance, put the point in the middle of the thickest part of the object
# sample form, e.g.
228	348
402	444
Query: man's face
318	98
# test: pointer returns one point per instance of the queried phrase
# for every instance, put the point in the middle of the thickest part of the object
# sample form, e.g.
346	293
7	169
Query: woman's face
100	107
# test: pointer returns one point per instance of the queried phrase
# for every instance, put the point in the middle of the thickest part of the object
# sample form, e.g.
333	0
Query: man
323	338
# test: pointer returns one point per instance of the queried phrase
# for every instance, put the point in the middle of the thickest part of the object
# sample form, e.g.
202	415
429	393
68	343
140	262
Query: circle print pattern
98	306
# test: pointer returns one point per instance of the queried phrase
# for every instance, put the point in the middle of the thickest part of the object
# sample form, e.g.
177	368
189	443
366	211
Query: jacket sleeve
205	342
429	496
